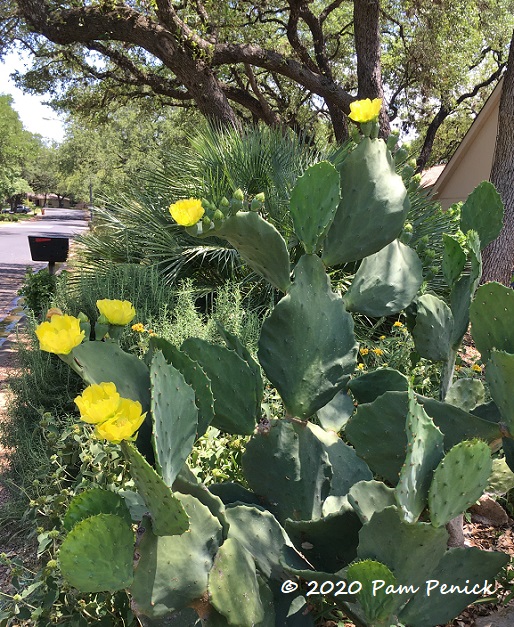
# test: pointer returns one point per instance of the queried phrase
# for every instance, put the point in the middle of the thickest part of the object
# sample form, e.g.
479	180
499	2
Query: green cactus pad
501	480
454	259
488	411
458	425
368	497
491	314
385	282
460	300
97	554
483	212
194	376
328	543
377	431
260	245
234	344
410	551
95	501
175	417
500	376
258	531
235	389
433	330
313	204
173	570
233	585
367	387
347	468
168	514
230	492
373	207
459	480
290	467
458	567
466	394
307	346
200	492
335	414
377	605
424	452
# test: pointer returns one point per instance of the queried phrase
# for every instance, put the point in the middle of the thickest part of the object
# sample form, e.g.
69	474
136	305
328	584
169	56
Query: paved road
15	252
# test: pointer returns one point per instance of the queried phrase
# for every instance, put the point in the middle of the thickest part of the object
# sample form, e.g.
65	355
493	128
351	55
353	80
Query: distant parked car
6	210
20	209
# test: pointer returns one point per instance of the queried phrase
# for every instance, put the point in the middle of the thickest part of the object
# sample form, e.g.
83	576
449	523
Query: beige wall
472	161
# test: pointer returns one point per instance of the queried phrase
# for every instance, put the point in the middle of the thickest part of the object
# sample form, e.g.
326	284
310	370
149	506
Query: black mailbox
49	249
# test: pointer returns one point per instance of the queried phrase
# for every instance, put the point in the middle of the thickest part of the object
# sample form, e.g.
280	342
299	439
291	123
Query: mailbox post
51	249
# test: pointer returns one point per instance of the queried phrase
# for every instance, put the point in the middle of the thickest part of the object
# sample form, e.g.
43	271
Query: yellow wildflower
365	110
398	324
378	351
139	327
382	337
457	368
187	212
360	366
98	403
476	368
124	424
364	351
60	335
119	312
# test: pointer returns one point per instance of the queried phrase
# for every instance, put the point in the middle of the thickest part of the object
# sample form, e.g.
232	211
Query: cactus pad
491	314
501	480
290	467
307	346
168	515
173	571
175	417
483	212
97	554
458	567
233	585
260	245
368	497
95	501
313	204
433	330
500	376
454	259
459	480
373	207
335	414
235	389
424	452
466	394
377	606
385	282
367	387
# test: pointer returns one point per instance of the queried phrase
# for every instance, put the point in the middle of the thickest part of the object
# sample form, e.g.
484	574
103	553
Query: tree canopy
297	63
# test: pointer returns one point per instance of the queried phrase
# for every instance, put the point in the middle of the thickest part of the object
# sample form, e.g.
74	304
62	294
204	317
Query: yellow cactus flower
98	403
398	324
124	424
360	366
476	368
60	335
378	352
364	351
187	212
365	110
139	327
118	312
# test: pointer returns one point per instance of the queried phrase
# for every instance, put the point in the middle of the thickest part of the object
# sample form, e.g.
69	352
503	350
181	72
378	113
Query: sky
36	117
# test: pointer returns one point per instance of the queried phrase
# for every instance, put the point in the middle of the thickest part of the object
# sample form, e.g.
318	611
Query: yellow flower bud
98	402
187	212
60	335
124	424
119	312
365	110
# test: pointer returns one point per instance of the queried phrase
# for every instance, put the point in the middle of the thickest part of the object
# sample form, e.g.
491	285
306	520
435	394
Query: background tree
297	64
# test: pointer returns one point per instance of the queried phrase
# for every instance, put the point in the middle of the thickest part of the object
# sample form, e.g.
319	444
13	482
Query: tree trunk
366	20
499	255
